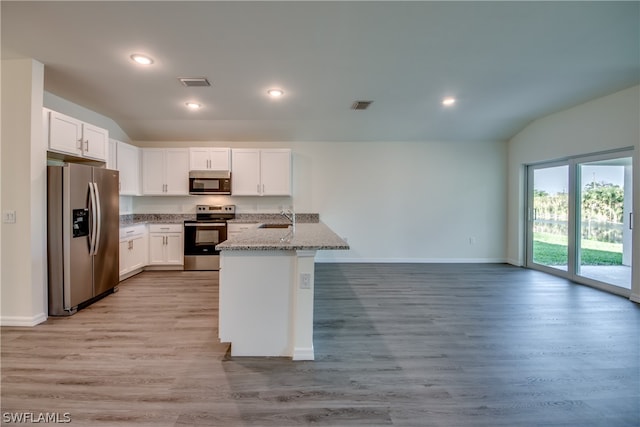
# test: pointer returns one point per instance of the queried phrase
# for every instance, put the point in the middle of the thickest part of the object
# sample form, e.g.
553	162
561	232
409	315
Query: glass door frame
574	209
571	226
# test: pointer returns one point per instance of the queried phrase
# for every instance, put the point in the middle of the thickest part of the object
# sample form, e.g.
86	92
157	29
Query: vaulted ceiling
506	63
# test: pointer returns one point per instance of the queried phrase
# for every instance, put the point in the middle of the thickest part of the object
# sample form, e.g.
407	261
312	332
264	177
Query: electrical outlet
9	217
305	281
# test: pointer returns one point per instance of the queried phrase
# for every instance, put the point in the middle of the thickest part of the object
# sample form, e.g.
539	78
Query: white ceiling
508	63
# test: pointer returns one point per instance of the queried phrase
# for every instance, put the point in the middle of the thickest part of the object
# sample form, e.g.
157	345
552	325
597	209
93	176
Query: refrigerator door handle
94	219
96	246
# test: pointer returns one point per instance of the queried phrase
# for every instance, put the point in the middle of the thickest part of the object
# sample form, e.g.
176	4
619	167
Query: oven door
201	238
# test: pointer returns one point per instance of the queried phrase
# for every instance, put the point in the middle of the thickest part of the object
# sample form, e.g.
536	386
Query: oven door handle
206	225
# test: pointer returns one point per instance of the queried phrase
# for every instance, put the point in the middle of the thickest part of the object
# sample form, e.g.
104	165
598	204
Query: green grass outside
550	249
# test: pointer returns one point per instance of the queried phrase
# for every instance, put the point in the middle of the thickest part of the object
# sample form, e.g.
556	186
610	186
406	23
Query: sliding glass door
579	219
604	243
549	216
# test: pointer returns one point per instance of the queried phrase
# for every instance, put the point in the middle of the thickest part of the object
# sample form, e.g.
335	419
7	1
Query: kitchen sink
274	226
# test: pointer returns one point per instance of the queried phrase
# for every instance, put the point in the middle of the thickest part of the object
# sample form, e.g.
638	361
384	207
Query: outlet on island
305	281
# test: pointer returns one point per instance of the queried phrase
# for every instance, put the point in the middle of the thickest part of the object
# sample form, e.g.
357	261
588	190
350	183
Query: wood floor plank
396	344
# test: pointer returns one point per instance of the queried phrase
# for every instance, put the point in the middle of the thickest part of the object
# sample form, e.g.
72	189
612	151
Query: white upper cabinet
275	171
71	136
209	158
261	172
95	141
128	163
112	154
165	171
245	172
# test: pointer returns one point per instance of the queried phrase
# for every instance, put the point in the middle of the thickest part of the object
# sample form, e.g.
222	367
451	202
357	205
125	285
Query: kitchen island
266	289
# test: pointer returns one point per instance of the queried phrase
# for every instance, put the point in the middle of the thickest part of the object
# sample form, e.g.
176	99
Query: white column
302	313
23	277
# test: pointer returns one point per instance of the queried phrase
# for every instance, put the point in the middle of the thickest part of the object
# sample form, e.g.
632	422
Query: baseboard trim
414	260
23	320
635	298
303	353
156	267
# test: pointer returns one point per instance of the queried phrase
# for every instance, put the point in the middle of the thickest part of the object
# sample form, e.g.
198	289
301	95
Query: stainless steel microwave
209	182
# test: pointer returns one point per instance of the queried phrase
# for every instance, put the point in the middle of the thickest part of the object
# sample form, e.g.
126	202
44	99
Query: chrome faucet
291	216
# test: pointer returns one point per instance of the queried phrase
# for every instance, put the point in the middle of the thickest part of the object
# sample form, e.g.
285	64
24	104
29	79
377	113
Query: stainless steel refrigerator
83	232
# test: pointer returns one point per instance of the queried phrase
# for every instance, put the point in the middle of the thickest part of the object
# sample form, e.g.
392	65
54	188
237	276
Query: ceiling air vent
360	105
194	81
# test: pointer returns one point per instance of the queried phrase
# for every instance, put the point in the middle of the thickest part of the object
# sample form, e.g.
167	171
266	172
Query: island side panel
303	293
255	302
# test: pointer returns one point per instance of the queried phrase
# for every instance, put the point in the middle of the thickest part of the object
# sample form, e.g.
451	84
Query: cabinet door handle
86	145
79	144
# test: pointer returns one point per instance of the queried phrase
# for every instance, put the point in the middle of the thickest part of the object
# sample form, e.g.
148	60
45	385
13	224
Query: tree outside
601	215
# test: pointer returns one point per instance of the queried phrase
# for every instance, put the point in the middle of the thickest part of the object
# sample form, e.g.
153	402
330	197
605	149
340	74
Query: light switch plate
9	217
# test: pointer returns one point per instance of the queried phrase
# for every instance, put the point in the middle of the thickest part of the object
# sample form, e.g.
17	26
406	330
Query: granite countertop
272	218
308	236
135	219
241	218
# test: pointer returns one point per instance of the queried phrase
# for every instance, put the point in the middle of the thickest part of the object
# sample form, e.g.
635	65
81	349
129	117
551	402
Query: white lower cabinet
134	249
166	244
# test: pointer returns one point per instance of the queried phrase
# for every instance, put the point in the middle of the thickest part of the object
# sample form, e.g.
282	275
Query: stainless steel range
202	235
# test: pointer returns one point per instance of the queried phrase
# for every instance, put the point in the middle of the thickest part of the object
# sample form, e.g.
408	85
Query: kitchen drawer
132	231
165	228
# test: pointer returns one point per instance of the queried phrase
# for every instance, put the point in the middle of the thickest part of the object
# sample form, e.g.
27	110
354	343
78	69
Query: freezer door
106	256
78	285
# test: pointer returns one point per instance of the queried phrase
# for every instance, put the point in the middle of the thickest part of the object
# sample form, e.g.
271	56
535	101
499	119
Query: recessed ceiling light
193	105
448	101
141	59
275	92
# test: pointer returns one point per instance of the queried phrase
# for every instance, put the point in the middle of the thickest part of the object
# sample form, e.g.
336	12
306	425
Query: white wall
607	123
23	262
63	106
393	201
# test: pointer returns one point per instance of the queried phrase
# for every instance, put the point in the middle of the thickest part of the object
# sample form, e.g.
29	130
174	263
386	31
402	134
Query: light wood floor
412	345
